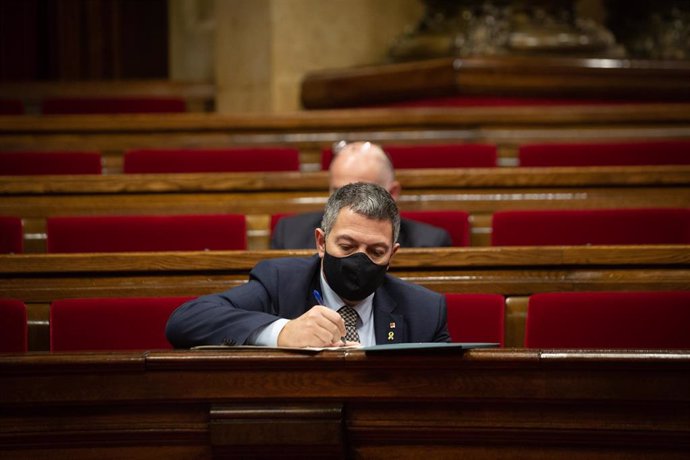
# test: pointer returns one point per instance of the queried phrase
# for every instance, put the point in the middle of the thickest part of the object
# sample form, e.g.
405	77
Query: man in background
357	162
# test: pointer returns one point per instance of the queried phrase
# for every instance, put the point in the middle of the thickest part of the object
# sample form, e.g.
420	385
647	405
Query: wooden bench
262	403
514	272
310	131
258	195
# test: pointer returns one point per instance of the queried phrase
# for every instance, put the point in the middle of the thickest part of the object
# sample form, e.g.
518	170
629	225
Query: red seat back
594	226
456	223
433	156
111	323
13	326
146	233
11	235
476	317
94	105
211	160
605	154
11	107
608	320
44	163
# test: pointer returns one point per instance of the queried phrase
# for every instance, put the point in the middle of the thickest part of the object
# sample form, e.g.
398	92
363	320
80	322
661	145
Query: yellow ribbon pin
391	335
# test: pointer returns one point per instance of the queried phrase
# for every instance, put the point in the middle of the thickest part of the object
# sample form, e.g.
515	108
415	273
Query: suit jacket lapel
389	327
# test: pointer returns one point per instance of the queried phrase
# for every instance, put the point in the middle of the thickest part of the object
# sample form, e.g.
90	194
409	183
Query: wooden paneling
346	404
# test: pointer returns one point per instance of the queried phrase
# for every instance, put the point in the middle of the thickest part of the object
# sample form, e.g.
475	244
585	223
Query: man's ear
395	189
320	238
396	246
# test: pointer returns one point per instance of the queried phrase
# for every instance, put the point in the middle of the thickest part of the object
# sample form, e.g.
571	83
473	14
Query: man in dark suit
357	162
298	302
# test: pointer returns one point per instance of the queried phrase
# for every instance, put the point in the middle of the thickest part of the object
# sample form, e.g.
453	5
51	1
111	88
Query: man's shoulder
306	218
421	234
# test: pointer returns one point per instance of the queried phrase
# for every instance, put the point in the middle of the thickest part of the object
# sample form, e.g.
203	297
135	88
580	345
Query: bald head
363	162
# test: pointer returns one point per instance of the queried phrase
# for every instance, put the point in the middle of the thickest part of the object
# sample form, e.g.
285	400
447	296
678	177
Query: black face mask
353	277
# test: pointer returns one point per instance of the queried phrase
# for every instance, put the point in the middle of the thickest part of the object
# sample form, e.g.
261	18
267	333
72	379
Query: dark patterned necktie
350	317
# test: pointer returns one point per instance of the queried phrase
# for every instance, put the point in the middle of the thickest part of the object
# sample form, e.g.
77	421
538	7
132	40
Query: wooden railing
515	272
263	403
258	195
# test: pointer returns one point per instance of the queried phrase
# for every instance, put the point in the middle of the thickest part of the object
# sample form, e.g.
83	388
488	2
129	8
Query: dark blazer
297	232
283	288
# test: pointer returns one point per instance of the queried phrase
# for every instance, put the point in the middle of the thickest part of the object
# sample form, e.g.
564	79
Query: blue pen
319	299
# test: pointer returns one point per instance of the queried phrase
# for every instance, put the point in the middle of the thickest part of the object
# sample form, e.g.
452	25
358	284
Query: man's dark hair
369	200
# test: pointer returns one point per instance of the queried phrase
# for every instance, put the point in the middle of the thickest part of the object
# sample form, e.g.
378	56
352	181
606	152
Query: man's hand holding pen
318	327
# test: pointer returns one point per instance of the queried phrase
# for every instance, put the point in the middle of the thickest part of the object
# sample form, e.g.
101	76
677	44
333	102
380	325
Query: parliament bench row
479	192
603	320
515	273
70	234
310	132
460	155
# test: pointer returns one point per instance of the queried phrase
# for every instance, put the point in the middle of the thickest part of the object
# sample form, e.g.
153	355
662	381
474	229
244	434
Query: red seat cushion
605	154
456	223
11	235
13	326
609	320
476	317
111	323
594	226
211	160
146	233
94	105
433	156
46	163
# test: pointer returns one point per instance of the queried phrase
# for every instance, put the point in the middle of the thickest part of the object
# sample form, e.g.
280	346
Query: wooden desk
514	272
346	404
479	191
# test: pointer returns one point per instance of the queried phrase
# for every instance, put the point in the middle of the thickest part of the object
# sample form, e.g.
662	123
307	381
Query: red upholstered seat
13	326
11	235
211	160
11	107
476	317
605	153
456	223
433	156
94	105
608	320
593	226
146	233
42	163
111	323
